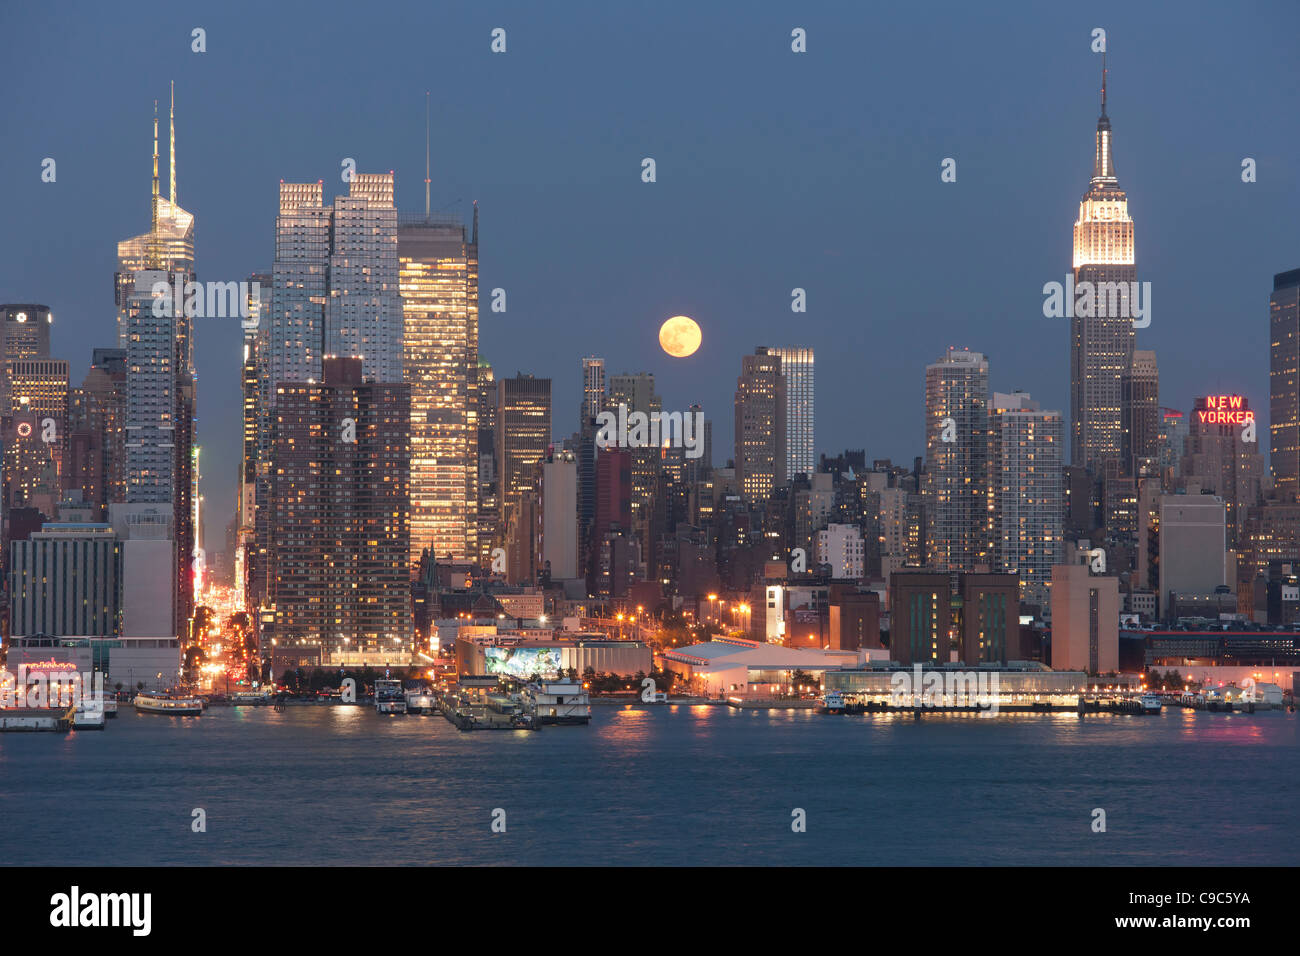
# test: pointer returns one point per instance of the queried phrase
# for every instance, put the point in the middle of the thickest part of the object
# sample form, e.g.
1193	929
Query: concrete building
990	618
840	546
66	579
559	528
1221	460
1193	543
920	617
149	568
1085	620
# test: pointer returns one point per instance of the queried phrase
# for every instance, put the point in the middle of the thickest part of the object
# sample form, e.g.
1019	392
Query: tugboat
1150	703
831	703
389	697
175	705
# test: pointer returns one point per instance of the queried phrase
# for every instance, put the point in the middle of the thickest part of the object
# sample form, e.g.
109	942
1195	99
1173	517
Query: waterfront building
1085	620
338	515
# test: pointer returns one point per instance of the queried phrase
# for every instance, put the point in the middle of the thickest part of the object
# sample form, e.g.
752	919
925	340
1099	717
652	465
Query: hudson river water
654	785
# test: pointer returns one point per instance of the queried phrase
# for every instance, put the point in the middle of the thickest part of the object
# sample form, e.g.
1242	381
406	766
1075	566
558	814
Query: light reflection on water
672	784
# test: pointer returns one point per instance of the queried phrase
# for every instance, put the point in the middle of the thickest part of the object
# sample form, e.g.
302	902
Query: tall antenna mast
172	151
426	155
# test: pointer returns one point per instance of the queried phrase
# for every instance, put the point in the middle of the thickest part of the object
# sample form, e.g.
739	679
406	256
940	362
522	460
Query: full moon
680	336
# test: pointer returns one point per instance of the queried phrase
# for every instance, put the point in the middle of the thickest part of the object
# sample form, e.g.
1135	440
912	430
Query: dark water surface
654	785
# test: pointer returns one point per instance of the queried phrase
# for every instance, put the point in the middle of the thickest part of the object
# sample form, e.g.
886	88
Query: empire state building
1101	346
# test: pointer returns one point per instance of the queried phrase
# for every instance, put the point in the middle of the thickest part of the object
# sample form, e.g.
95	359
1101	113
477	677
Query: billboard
522	662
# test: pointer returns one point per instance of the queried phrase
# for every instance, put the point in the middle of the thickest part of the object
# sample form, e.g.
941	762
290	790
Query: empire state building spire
1103	167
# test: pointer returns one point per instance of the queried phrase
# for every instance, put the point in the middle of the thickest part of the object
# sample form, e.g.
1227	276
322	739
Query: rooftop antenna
1103	82
172	150
474	241
426	155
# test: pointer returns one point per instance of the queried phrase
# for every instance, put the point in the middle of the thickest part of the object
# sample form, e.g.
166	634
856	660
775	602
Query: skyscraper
438	274
593	390
336	281
1140	401
761	431
956	480
158	339
1284	384
800	408
523	433
1221	461
638	393
1028	492
24	333
1101	345
339	497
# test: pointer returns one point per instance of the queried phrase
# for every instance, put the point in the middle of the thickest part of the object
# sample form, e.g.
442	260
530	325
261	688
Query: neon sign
1224	410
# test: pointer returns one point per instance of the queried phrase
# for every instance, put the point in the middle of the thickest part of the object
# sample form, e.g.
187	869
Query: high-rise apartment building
956	481
800	408
1284	385
438	275
523	433
336	281
338	566
1028	492
1101	344
761	433
489	473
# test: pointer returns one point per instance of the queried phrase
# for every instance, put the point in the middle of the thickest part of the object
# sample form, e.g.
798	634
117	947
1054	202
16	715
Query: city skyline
544	330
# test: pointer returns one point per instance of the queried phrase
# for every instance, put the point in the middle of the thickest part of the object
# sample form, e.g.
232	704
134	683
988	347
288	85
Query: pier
37	719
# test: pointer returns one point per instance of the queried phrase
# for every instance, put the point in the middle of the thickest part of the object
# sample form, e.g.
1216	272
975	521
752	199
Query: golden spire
154	259
172	150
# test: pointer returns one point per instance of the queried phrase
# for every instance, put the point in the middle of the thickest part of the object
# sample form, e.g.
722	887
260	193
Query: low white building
735	667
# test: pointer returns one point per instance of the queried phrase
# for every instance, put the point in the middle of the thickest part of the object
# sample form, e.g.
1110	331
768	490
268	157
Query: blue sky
775	170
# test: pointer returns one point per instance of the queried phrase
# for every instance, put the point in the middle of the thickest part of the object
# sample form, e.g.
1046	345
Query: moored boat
1150	703
831	703
389	697
176	705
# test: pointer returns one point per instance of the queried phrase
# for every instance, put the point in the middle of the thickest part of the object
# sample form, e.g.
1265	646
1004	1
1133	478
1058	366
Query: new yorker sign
1223	410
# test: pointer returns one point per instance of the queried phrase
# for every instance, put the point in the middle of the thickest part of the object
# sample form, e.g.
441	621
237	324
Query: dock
37	719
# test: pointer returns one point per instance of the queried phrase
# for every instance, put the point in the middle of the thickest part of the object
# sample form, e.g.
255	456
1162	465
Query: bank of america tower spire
1101	343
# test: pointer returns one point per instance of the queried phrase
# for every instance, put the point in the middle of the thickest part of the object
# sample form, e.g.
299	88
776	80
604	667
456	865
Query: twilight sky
775	170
